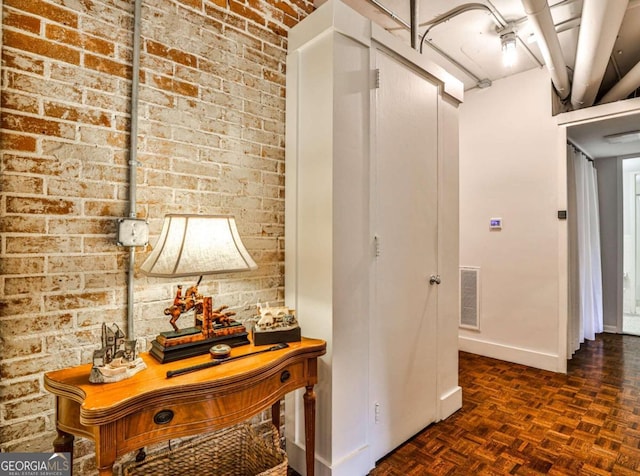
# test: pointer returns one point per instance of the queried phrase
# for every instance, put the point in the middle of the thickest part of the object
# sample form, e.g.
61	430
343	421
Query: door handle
434	279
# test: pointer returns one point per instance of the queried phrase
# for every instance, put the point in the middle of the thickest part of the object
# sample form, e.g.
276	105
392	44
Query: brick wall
211	140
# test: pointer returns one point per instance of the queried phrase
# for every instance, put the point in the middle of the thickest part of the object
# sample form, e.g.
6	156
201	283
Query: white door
403	318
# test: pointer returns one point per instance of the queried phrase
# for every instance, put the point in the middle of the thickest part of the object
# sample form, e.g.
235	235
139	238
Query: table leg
275	415
310	428
64	444
106	443
107	471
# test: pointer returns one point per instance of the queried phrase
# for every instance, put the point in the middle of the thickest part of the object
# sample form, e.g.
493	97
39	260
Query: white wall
609	200
513	166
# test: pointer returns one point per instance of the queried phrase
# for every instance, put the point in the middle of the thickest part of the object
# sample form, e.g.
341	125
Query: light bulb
509	53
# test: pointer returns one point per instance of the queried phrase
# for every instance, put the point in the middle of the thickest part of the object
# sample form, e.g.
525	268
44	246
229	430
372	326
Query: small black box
276	337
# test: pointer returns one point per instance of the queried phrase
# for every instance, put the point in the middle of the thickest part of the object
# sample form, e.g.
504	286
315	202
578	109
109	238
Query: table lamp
197	245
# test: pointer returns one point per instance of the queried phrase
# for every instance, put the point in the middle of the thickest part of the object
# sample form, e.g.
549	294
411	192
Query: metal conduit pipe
404	24
497	18
454	12
501	23
133	157
599	27
480	82
413	5
621	90
390	13
445	16
539	15
449	15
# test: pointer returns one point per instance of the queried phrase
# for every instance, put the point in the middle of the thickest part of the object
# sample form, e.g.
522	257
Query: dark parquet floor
516	420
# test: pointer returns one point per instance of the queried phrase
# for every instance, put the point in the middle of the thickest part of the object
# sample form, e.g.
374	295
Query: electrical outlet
133	232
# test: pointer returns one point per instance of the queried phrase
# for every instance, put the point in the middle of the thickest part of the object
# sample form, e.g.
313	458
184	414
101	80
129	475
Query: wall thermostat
495	223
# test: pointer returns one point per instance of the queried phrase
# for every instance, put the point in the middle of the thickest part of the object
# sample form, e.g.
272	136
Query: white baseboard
450	403
356	463
531	358
611	329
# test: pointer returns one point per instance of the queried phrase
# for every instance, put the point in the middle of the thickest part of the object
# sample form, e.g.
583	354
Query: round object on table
220	351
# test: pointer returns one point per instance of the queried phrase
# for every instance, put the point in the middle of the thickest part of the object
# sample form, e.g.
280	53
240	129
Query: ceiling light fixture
623	137
508	41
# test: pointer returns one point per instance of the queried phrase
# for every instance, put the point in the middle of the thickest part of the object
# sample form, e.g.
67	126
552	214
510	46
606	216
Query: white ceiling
471	42
590	137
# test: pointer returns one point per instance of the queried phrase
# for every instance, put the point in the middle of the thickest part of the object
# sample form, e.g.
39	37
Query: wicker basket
239	450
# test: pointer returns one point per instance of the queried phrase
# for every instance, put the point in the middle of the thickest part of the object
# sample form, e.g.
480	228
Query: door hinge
376	78
376	244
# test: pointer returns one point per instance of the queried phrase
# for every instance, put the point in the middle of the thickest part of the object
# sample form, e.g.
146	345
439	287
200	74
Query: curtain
585	267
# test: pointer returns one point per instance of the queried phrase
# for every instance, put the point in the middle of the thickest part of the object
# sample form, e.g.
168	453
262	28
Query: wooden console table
150	408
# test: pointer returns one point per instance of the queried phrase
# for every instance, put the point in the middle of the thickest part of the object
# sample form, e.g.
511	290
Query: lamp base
171	346
172	353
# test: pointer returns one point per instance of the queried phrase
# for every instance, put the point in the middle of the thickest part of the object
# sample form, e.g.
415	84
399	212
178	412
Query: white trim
357	462
620	244
563	251
529	357
450	403
333	16
611	329
599	113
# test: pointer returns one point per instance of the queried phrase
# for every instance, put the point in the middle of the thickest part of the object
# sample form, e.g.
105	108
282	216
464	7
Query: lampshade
195	245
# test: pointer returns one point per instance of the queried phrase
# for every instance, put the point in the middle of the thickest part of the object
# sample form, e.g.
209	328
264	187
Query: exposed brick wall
211	140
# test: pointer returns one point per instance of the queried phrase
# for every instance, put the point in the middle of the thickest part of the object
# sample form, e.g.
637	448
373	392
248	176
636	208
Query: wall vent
470	297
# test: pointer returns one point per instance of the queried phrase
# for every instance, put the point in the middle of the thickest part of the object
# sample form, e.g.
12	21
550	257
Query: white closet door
403	326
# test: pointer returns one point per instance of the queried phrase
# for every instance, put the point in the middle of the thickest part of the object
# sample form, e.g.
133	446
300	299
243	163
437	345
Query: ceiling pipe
621	90
599	28
539	16
413	6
